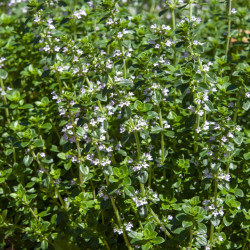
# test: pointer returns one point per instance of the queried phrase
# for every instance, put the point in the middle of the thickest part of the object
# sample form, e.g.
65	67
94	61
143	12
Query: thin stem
228	27
174	37
237	106
191	236
190	10
33	213
162	141
245	244
118	217
59	81
159	222
51	180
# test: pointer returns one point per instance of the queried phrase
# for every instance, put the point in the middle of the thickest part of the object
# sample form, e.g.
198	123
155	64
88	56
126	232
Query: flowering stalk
117	214
229	26
197	125
190	10
215	205
172	7
78	150
75	36
101	109
162	141
51	180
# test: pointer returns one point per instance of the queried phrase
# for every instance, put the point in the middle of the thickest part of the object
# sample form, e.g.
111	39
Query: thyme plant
124	124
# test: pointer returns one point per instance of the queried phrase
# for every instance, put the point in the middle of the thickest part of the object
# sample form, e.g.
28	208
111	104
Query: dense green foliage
123	124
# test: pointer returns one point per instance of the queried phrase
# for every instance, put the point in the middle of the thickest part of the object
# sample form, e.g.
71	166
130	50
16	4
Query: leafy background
124	124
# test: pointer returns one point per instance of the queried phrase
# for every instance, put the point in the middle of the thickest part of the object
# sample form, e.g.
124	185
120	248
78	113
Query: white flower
165	92
198	130
220	238
233	11
129	226
170	217
200	112
119	35
37	19
224	138
42	154
168	43
206	68
238	128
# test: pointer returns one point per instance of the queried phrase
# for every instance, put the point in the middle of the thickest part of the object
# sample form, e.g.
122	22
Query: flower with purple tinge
130	160
74	159
119	231
42	154
170	217
233	11
238	128
57	181
129	226
224	138
227	177
200	112
168	43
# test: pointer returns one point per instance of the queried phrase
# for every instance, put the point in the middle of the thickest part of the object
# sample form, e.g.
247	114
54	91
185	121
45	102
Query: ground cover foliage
124	124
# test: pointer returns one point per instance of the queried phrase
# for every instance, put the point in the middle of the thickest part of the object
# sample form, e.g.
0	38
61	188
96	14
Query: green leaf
27	160
202	228
26	106
46	126
202	239
126	181
146	246
44	245
139	106
84	170
226	221
129	191
62	156
38	143
171	115
125	82
147	107
246	105
238	192
143	177
151	114
246	156
158	240
3	74
156	129
238	140
101	97
187	223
